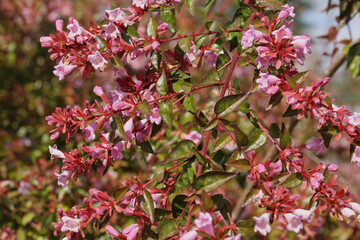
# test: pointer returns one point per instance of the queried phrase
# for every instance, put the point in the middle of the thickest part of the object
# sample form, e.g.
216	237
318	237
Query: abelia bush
197	125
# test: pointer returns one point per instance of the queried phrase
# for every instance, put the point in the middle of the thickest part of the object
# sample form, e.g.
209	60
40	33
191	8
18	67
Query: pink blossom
24	187
332	167
294	222
97	61
286	12
70	224
74	28
190	235
210	58
155	117
191	56
46	41
250	36
55	153
162	27
193	136
140	3
155	45
354	119
128	128
347	212
305	215
131	231
59	24
61	70
112	231
316	145
268	83
204	223
111	31
303	47
275	168
135	54
356	156
89	131
261	168
63	178
116	151
237	237
116	15
355	206
262	224
314	183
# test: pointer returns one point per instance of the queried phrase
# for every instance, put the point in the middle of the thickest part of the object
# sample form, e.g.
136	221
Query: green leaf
241	138
168	228
145	146
271	4
212	180
183	150
145	107
155	129
221	61
293	180
274	100
241	164
257	139
185	44
160	213
151	27
274	131
222	205
166	112
291	113
212	124
120	126
168	16
147	204
285	138
161	84
204	159
190	6
221	142
155	59
208	5
251	196
28	217
132	32
178	205
120	192
212	78
207	201
229	103
189	103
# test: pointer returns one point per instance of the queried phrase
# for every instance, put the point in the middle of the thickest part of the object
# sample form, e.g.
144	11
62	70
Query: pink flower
55	153
286	12
193	136
155	45
46	41
59	24
316	145
347	212
116	151
190	235
250	36
204	223
112	231
116	15
135	54
354	119
262	224
210	58
303	46
140	3
191	56
162	27
237	237
70	224
74	28
128	128
332	167
97	61
61	70
131	231
294	222
356	156
268	83
355	206
24	187
89	131
63	178
305	215
111	31
155	117
275	168
261	168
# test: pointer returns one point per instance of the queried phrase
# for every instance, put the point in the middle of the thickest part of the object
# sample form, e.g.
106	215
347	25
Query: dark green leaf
151	27
120	126
241	164
145	107
190	6
241	138
222	205
178	205
291	113
145	146
293	180
274	131
183	150
132	31
212	124
212	180
185	44
221	142
166	113
189	103
229	103
168	16
147	204
274	100
119	193
204	159
161	84
168	228
285	138
257	139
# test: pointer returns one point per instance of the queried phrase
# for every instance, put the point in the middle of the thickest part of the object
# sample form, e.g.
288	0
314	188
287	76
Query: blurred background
29	195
